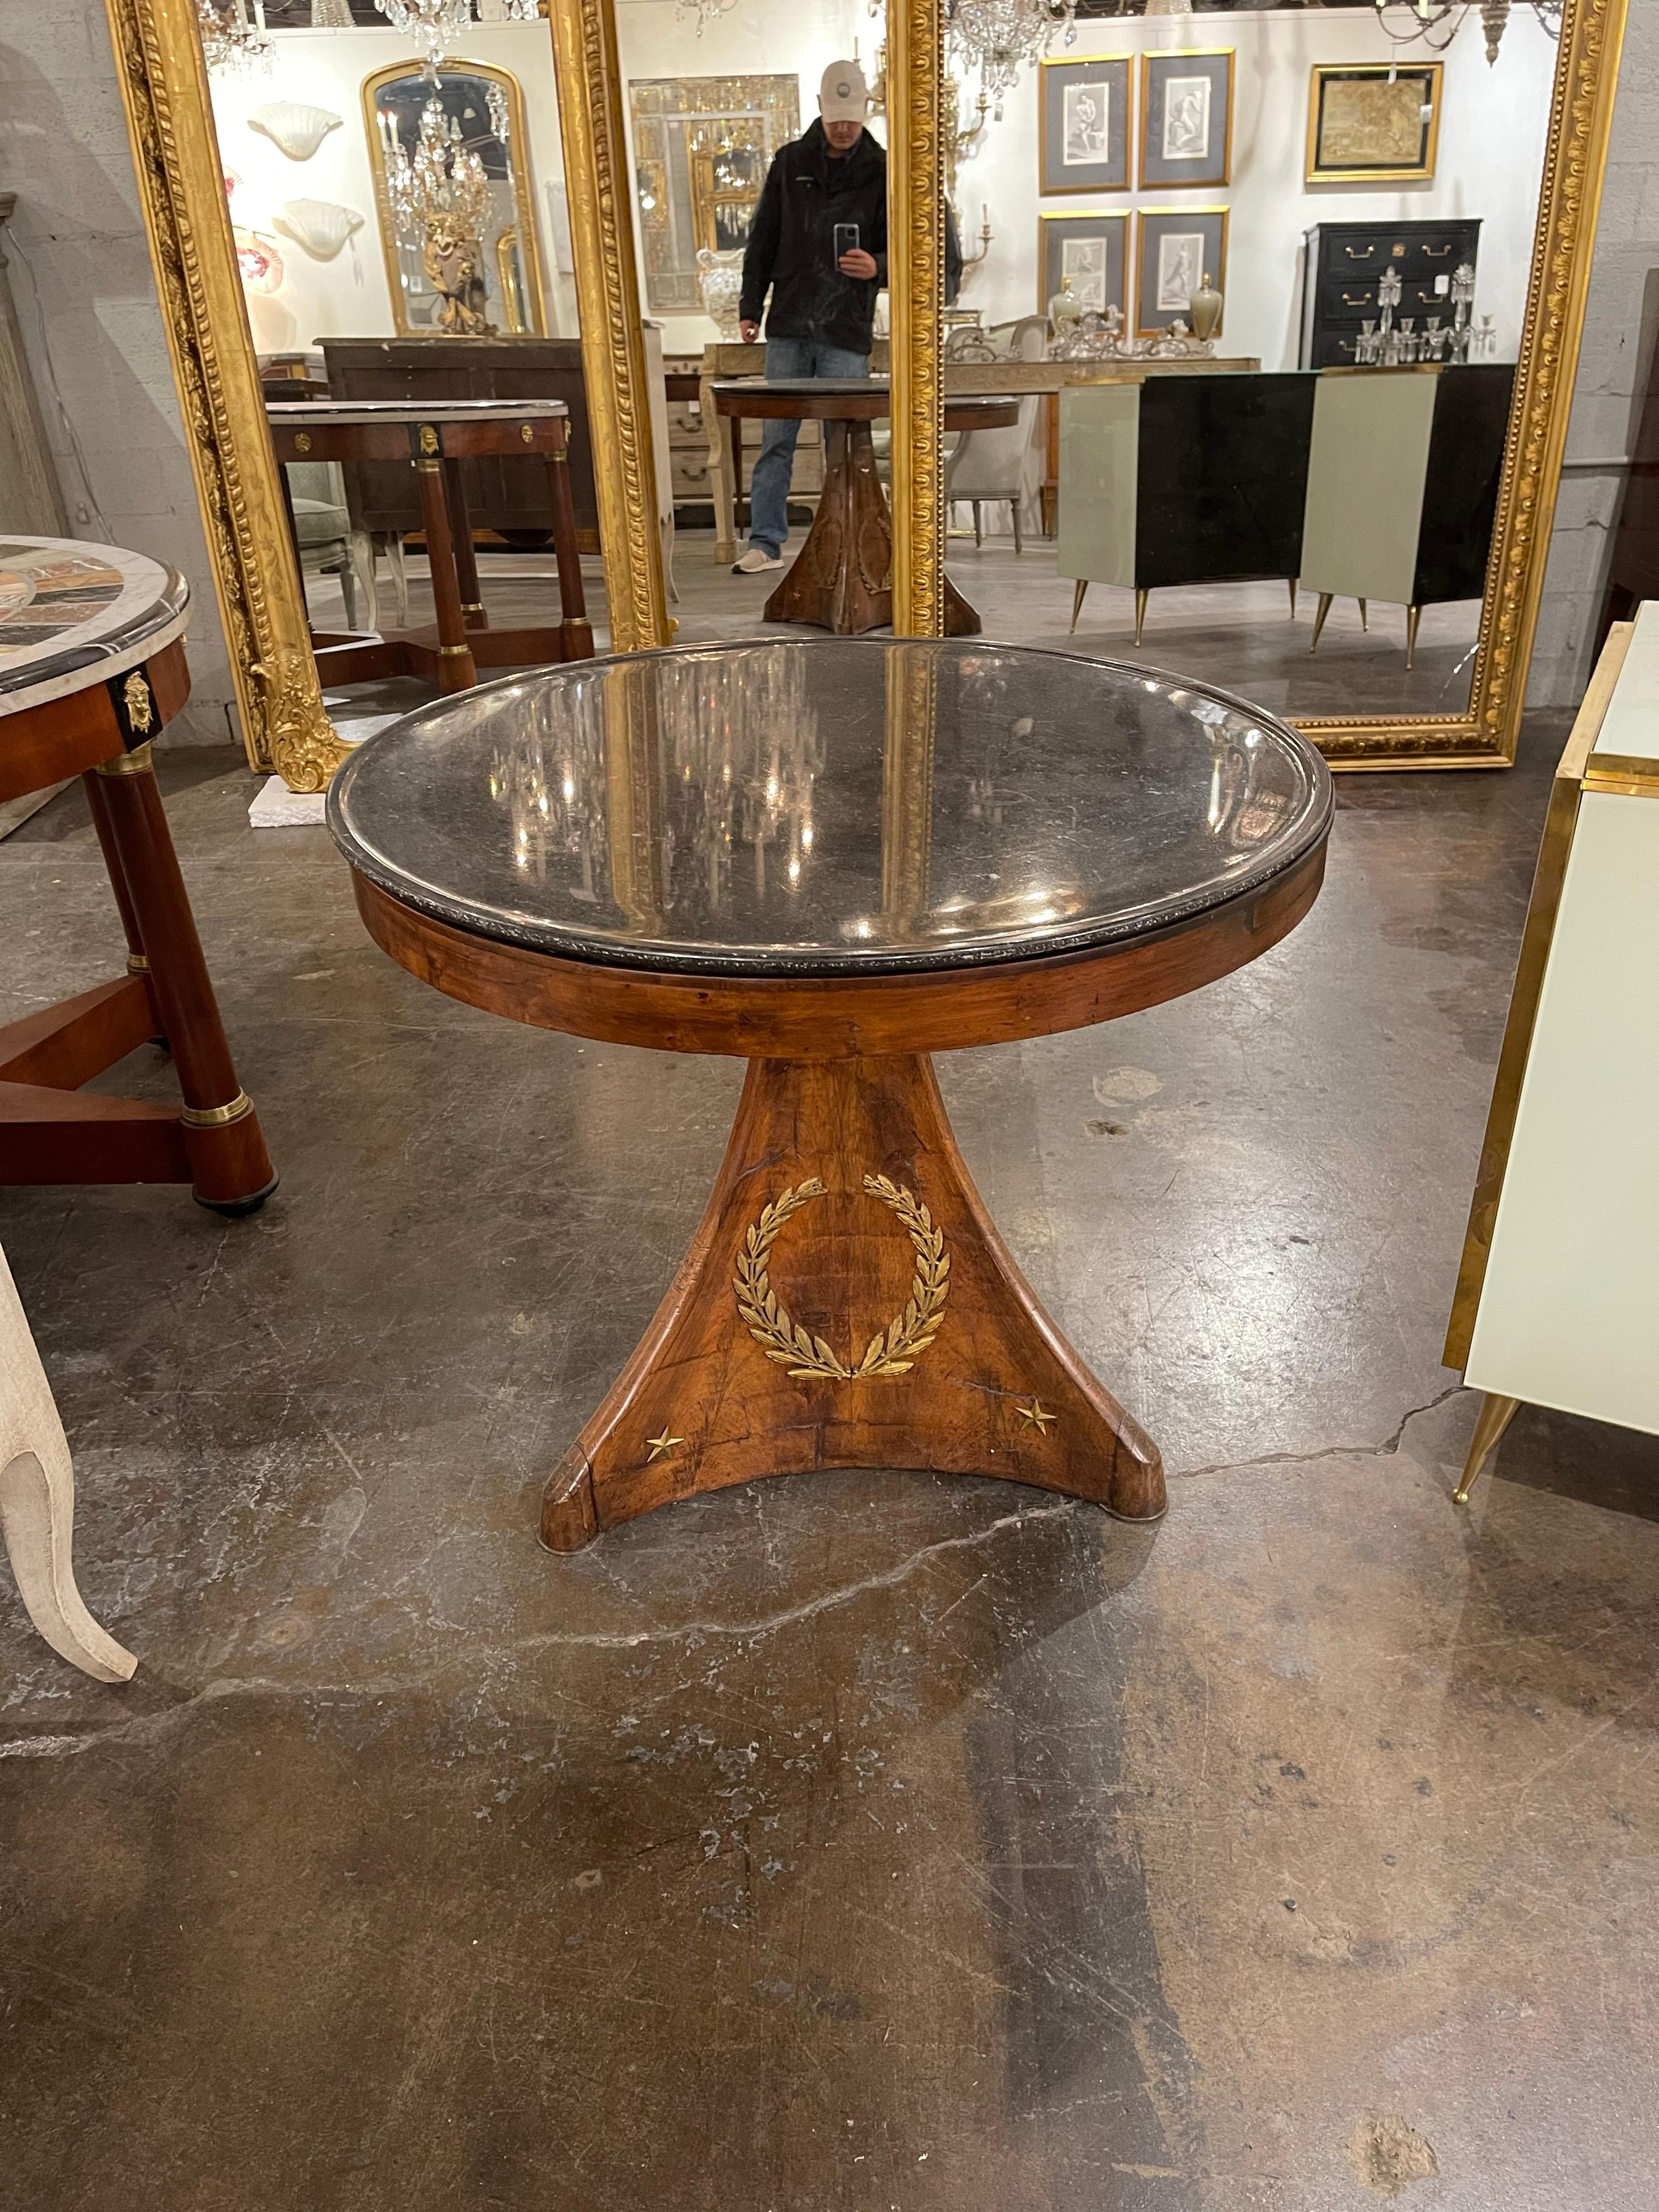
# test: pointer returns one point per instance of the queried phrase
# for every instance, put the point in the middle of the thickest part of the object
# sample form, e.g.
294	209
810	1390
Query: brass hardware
1414	616
428	468
455	652
1038	1415
1435	252
663	1443
893	1350
140	703
1354	254
1141	597
527	432
136	964
139	762
302	441
1364	301
1495	1415
430	441
1630	775
216	1117
471	607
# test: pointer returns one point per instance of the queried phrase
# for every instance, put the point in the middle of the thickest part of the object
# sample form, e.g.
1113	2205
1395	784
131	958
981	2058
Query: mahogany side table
842	578
434	439
92	667
832	858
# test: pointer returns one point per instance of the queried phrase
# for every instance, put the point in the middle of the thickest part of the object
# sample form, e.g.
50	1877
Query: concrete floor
858	1841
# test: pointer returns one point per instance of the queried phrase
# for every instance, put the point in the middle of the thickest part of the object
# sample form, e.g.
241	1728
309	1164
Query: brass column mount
915	275
600	194
164	90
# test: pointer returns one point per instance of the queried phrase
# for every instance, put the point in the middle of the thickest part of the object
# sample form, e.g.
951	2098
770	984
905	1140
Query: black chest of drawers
1344	262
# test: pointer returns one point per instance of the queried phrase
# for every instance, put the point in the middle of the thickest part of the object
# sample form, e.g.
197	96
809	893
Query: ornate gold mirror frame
164	86
521	314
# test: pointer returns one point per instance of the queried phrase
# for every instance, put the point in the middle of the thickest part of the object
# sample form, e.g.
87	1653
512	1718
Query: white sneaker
755	560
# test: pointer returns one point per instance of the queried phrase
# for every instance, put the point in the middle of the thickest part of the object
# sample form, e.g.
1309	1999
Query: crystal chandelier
230	41
1437	23
996	38
435	25
701	12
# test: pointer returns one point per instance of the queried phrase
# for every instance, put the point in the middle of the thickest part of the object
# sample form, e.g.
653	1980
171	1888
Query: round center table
841	578
435	436
833	859
92	668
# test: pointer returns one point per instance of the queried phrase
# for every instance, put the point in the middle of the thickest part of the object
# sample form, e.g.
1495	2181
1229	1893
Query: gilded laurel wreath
891	1351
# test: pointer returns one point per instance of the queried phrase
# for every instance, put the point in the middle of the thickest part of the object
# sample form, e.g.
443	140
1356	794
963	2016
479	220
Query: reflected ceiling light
435	25
231	40
1437	23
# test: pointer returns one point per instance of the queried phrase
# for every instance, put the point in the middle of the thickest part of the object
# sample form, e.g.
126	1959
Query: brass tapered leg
1414	616
1076	599
1142	598
1364	618
1320	613
1495	1415
1293	582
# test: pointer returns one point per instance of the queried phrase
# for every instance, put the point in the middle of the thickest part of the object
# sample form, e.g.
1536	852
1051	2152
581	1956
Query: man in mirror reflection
818	246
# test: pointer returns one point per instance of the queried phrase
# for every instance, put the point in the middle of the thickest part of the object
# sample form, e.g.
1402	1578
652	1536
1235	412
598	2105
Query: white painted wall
91	328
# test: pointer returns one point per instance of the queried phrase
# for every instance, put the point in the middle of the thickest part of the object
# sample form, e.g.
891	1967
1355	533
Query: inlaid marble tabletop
832	858
73	613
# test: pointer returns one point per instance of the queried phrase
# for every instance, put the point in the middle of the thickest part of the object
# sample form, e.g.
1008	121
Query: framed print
1176	249
1092	251
1371	124
1186	118
1086	125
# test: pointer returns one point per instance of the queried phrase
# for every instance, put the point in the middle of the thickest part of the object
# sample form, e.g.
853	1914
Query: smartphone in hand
847	241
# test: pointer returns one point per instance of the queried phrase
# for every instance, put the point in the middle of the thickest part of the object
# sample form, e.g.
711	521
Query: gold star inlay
1037	1415
663	1443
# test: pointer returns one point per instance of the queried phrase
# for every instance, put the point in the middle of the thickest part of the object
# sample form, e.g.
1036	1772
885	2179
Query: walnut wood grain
48	743
982	1382
838	1017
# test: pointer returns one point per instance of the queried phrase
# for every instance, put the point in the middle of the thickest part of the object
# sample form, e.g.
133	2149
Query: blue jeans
768	490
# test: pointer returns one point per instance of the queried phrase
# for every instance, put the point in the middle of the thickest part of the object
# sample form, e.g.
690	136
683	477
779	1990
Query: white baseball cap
843	96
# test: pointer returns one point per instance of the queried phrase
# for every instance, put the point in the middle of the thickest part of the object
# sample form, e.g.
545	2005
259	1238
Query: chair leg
348	576
397	561
1019	546
1414	616
1364	614
1320	613
979	533
1142	598
1076	599
362	562
1293	582
1495	1415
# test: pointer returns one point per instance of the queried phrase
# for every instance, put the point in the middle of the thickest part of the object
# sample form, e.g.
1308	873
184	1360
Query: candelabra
440	202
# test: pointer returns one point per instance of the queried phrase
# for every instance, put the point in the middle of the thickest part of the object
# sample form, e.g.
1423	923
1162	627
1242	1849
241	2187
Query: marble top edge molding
673	951
408	410
132	619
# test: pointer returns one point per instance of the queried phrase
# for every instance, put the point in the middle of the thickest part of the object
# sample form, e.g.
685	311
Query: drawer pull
1354	253
1436	252
1349	301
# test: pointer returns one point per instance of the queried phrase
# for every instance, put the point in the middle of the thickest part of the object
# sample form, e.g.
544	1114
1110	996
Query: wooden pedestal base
846	1302
843	577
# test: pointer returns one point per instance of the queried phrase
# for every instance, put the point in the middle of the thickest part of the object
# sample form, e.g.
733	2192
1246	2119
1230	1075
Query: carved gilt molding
915	272
601	194
164	90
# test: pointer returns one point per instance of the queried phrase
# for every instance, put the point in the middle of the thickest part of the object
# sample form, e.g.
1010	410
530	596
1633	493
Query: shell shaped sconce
320	226
294	128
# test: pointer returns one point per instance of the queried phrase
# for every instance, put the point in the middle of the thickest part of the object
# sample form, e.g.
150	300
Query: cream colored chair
37	1502
997	466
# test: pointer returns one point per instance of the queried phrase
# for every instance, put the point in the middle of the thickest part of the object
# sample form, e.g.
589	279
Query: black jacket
792	242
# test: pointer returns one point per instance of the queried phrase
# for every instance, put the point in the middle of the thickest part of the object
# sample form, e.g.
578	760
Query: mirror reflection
1246	287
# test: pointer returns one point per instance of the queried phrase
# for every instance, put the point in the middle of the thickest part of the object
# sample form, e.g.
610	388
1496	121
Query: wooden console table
434	442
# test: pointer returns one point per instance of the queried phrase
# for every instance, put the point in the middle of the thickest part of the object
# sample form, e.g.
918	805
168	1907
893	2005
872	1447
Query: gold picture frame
1107	225
1210	223
1351	139
1157	169
1062	168
181	180
527	305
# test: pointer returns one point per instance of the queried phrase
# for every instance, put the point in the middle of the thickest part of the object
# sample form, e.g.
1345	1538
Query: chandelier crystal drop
232	42
434	25
699	12
996	38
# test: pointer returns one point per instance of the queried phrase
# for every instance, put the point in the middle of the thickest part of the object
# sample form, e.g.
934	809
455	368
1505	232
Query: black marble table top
827	806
